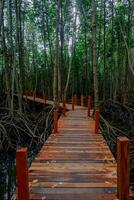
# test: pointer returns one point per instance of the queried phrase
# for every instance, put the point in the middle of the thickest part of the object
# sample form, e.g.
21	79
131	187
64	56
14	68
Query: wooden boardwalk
74	164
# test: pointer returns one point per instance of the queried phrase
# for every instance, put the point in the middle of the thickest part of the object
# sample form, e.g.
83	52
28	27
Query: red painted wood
44	97
55	121
22	174
82	100
97	121
131	196
123	168
89	105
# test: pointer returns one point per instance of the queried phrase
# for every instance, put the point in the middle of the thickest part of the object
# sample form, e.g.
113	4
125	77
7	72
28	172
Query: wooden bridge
74	163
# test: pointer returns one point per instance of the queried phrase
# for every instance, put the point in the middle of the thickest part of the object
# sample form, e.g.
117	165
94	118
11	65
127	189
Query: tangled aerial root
118	120
28	129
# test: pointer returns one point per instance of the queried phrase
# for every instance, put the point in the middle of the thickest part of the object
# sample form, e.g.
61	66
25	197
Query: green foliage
38	20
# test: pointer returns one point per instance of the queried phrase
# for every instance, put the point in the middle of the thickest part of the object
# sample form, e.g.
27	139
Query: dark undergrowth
27	129
118	120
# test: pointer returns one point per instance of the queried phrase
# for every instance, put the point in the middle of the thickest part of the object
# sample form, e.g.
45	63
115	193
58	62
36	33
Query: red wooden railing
45	97
22	174
82	100
89	105
123	168
73	102
55	116
97	121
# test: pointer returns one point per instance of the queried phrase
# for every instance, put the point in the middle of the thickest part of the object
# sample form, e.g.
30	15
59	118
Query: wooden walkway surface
74	164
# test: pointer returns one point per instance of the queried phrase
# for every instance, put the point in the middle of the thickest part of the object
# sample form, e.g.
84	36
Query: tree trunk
71	57
5	59
56	88
104	80
95	71
19	50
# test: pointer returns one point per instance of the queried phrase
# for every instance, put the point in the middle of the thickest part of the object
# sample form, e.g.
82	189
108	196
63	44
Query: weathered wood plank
73	185
73	194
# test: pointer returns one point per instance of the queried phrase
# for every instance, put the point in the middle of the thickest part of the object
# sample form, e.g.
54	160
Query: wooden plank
65	151
109	172
81	156
75	197
81	194
80	145
87	148
94	166
71	177
62	184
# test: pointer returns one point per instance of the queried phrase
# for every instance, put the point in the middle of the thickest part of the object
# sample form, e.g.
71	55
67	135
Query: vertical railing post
55	116
75	99
46	97
22	174
82	100
73	102
89	105
64	106
123	168
97	121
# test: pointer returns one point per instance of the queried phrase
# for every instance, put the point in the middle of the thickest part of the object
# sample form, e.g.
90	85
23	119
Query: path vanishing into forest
74	163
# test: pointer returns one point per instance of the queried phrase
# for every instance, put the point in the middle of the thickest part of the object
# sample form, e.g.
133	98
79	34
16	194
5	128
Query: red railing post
55	115
73	102
89	105
22	174
64	105
82	100
97	121
45	97
123	168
